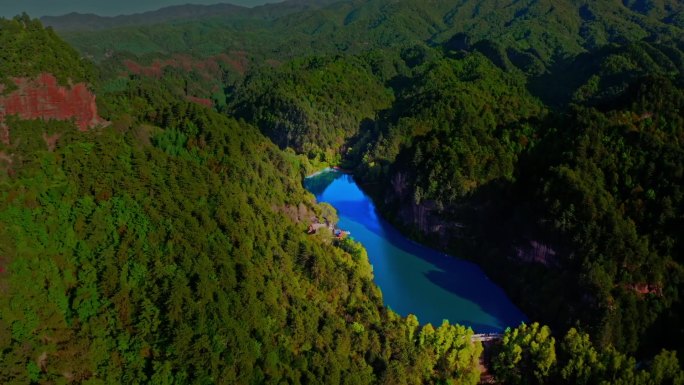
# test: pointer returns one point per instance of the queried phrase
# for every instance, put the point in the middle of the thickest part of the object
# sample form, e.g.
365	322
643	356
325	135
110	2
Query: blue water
415	279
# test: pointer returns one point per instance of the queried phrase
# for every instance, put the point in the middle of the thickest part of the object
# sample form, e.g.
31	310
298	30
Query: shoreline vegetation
329	169
171	246
389	250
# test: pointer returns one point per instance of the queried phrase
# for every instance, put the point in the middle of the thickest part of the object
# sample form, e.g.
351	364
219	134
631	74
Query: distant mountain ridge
87	21
179	13
539	31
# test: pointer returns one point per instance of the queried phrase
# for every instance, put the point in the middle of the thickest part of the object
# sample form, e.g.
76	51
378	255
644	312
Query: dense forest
593	192
542	140
170	247
23	38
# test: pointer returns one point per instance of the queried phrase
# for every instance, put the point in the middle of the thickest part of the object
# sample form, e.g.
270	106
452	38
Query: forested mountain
167	243
543	30
180	13
592	199
86	22
22	37
312	105
170	247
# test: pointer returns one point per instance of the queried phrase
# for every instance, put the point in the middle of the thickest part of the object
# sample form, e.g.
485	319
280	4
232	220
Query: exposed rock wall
210	68
428	218
538	252
424	216
44	98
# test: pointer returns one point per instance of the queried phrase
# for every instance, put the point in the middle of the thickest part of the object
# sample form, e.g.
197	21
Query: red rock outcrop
209	68
43	98
646	288
537	252
202	101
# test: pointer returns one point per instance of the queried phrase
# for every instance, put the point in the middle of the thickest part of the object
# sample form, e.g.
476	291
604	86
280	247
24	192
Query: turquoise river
415	279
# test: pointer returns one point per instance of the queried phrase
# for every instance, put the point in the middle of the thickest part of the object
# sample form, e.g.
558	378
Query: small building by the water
340	234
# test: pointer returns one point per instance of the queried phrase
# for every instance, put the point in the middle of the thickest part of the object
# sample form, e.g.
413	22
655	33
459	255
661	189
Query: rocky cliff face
44	98
428	218
424	216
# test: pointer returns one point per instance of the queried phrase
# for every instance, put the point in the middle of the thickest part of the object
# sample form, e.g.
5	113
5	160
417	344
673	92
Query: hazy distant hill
189	12
79	21
537	30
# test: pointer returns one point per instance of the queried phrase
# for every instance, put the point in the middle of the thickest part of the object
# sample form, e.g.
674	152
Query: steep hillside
313	105
23	38
171	247
586	202
541	139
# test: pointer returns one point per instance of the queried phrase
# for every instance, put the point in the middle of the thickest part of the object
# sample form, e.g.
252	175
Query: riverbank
317	173
328	169
492	251
415	279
